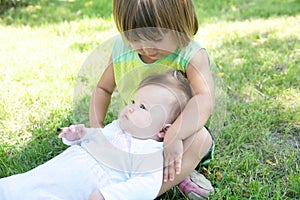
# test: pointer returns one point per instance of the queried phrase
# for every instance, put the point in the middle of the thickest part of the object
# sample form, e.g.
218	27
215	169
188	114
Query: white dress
120	166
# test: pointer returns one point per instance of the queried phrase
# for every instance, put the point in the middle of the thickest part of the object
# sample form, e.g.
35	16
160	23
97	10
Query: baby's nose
131	110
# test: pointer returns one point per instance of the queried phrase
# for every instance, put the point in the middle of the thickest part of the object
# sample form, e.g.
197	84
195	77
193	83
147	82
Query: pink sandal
196	186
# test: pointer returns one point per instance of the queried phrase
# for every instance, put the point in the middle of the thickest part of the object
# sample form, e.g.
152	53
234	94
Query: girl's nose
146	45
147	50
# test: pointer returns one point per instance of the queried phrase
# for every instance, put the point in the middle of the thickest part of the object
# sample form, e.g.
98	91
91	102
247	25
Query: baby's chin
126	126
135	131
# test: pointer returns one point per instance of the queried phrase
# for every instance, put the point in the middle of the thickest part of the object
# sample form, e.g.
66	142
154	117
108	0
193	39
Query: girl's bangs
147	33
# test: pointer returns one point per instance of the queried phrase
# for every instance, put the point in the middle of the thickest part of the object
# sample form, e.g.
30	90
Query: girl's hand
73	132
96	195
173	152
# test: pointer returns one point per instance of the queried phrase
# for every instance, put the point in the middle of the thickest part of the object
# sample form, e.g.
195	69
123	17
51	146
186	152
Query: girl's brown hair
176	15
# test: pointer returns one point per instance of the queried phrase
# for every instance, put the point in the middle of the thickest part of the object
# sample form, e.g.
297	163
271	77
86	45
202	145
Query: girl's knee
201	143
198	145
205	141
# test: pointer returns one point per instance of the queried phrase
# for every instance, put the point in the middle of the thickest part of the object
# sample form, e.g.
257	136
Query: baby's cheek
159	114
142	121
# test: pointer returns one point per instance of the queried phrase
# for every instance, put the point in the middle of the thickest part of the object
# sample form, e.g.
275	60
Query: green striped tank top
129	69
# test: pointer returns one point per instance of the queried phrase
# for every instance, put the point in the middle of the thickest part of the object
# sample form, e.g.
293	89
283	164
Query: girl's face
152	50
148	113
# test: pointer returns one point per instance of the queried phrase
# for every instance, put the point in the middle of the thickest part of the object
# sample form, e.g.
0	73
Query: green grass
255	46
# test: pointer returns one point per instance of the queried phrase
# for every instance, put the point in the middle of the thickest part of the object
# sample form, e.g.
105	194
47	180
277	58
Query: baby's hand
96	195
73	132
173	152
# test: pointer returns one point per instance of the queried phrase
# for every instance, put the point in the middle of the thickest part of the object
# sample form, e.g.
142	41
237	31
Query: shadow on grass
233	10
268	64
262	123
265	75
43	145
40	12
258	147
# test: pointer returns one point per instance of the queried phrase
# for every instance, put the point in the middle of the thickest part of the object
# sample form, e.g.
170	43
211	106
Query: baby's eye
142	107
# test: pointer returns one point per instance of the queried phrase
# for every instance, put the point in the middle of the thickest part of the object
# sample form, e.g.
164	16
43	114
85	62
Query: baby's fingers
166	171
171	171
64	132
177	165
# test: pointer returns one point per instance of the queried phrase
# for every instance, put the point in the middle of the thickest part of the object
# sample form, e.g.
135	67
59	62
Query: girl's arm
200	106
193	117
101	96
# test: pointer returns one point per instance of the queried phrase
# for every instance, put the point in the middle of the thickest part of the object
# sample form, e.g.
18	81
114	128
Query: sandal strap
187	186
201	181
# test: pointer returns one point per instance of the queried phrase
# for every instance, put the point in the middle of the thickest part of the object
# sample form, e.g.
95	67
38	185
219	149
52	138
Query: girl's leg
196	147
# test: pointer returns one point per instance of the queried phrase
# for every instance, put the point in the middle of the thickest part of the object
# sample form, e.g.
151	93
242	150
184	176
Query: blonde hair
176	15
177	83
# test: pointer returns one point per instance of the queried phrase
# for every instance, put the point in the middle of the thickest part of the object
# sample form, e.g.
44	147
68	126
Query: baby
122	160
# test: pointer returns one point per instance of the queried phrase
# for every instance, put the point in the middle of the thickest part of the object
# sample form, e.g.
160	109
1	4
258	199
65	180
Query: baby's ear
163	131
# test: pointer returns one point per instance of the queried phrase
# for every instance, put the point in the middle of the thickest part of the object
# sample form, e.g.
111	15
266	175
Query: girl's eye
158	40
142	107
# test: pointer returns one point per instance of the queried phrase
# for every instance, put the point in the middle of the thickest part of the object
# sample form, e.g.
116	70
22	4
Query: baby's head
176	82
135	18
157	103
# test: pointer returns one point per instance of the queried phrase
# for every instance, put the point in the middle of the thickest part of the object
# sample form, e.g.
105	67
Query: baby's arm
73	132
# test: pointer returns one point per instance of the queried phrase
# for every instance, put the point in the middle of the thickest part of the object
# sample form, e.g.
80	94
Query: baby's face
149	112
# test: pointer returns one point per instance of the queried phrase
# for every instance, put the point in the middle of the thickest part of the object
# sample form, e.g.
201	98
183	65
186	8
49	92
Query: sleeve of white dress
144	186
69	143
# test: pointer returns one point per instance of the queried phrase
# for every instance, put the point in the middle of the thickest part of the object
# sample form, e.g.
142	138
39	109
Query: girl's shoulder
121	49
118	43
187	53
191	49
